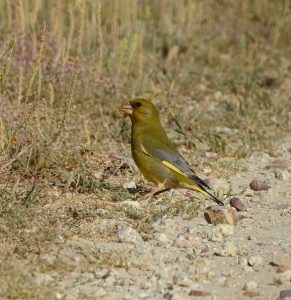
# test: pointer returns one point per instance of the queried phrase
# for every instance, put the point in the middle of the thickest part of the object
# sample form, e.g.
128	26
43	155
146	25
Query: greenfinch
154	154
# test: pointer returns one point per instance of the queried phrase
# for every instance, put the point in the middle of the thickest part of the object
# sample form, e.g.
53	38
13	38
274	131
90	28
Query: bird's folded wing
177	163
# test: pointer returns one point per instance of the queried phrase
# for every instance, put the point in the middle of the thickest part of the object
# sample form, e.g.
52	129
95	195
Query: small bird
154	154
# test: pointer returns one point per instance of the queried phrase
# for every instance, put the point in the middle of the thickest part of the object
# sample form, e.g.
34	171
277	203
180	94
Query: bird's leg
159	191
161	188
148	197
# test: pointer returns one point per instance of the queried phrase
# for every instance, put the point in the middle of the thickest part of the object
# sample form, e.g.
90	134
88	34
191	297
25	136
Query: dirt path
110	256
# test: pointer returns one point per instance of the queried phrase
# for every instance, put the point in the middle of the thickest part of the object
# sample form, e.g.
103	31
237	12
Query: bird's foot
147	199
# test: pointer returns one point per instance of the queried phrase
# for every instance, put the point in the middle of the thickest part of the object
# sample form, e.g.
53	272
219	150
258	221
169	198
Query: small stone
220	185
134	204
185	242
210	154
197	293
237	204
168	296
178	296
191	228
260	156
225	229
281	269
275	152
250	286
248	192
129	185
258	185
140	250
162	239
98	175
282	261
41	279
129	235
182	279
101	212
221	280
255	261
218	215
285	294
282	175
206	170
59	295
227	249
215	236
92	291
282	278
210	275
251	294
277	164
70	258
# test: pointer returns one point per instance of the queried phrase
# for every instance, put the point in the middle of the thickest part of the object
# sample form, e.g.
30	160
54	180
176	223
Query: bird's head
140	109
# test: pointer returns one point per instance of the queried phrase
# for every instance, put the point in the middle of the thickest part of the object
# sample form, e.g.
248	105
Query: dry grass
217	70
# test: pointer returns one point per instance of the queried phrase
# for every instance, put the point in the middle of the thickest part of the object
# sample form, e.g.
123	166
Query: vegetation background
219	72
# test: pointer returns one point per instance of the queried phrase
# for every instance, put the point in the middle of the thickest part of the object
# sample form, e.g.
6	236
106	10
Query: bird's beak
127	109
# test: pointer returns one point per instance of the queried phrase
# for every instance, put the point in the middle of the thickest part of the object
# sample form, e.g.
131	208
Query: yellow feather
170	166
144	150
194	186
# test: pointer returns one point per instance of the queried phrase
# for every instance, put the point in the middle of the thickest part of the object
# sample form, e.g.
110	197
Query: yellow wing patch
194	186
170	166
144	150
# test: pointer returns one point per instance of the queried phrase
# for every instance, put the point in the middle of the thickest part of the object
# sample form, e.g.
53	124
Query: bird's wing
177	163
174	161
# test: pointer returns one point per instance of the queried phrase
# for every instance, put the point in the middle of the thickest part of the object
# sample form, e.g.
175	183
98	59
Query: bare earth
103	254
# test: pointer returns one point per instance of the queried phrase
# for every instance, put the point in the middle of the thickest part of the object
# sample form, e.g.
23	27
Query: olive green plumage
155	155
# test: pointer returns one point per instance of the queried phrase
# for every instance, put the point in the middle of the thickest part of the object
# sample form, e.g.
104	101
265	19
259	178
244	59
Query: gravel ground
183	259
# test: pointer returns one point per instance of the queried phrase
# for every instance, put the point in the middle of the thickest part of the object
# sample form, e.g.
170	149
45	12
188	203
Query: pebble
251	294
140	250
282	175
258	185
237	204
70	258
250	286
92	291
260	157
129	235
191	229
215	236
101	212
185	242
282	261
162	239
218	215
182	279
277	164
129	185
177	296
220	185
248	192
282	278
198	293
41	279
227	249
225	229
255	261
210	154
134	204
285	294
221	280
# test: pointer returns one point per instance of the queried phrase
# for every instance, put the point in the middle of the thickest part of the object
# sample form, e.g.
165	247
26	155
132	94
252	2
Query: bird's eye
136	105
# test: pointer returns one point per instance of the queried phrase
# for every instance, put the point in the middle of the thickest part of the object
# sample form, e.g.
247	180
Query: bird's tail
216	200
202	190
